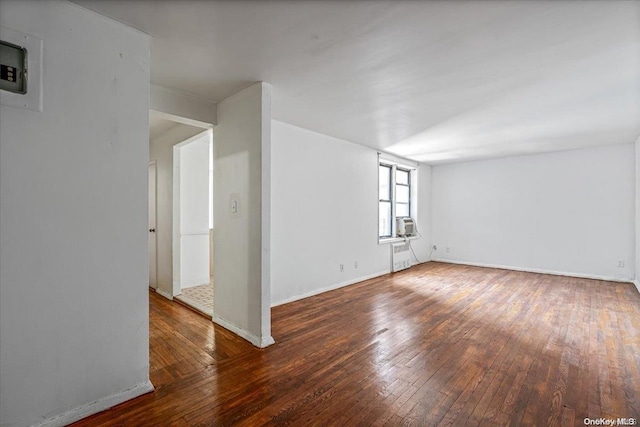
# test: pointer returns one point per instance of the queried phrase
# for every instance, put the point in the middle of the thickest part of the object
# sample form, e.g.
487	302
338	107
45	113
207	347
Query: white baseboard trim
637	283
97	406
267	341
329	288
165	294
258	342
534	270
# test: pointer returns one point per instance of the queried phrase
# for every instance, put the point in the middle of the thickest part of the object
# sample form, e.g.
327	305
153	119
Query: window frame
408	185
390	200
394	167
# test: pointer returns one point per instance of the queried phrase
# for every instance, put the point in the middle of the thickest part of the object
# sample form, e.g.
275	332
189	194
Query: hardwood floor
439	344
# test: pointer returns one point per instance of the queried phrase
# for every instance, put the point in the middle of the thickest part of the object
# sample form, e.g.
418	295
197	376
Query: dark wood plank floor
439	344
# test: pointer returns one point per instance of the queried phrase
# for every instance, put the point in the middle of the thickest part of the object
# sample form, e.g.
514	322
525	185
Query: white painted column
242	143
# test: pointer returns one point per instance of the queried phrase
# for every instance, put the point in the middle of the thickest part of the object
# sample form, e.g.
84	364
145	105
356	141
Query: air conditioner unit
405	227
400	256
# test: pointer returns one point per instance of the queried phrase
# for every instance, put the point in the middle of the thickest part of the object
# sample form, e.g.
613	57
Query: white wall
161	150
73	221
325	213
637	157
192	206
182	107
422	247
241	160
567	212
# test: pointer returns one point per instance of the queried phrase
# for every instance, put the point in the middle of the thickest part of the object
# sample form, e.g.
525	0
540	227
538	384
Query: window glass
402	176
384	228
385	181
402	194
402	209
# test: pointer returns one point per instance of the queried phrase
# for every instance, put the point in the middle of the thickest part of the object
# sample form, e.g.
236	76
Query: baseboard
267	341
258	342
165	294
329	288
97	406
637	283
534	270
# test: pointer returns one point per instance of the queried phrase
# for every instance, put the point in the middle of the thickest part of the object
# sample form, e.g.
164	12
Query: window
394	193
403	193
386	201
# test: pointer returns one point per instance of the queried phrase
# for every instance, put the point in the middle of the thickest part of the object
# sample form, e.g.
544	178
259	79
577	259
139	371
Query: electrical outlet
448	249
341	268
355	264
621	263
435	248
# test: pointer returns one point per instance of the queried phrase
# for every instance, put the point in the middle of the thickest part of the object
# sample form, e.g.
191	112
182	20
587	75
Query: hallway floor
199	297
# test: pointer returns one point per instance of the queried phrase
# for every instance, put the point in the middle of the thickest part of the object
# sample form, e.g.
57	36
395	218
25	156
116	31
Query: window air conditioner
405	227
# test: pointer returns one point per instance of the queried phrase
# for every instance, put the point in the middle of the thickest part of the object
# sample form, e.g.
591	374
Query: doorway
193	223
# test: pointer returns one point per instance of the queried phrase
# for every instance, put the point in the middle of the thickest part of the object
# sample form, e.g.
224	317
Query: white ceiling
433	81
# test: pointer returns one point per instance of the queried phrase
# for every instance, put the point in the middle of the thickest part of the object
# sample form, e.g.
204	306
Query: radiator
400	256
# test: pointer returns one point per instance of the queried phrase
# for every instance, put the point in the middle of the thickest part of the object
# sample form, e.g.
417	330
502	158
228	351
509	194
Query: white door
152	226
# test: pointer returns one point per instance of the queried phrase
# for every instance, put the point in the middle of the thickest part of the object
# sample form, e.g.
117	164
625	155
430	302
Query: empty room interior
327	213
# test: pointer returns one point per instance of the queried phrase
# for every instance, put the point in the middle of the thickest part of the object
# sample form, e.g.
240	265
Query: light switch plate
234	204
32	100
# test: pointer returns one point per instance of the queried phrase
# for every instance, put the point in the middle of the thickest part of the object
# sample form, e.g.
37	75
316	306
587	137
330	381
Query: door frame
153	235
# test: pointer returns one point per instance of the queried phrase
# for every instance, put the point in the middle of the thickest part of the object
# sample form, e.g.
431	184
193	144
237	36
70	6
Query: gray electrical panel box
13	68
